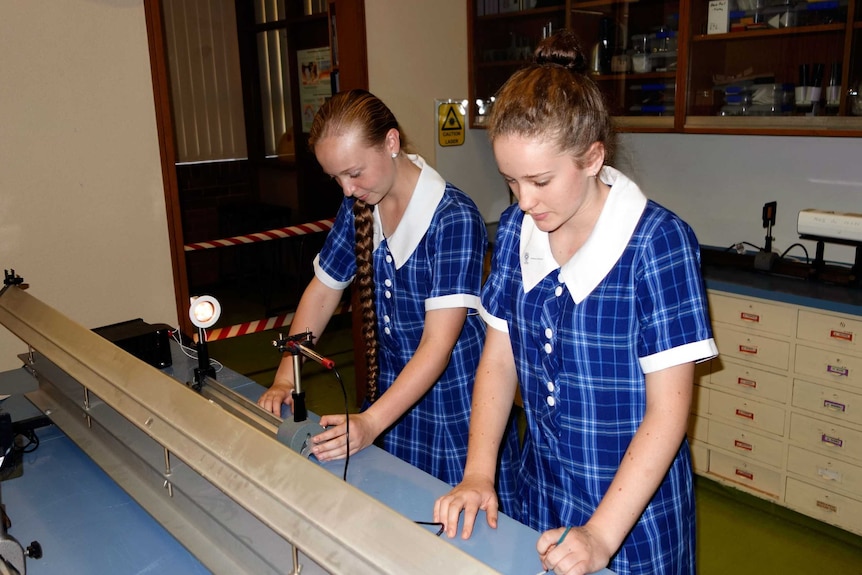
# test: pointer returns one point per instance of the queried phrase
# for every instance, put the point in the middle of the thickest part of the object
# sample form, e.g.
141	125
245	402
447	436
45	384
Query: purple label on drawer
836	441
834	405
838	370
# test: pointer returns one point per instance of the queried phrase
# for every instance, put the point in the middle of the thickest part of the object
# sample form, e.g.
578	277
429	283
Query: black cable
807	259
440	526
346	422
32	442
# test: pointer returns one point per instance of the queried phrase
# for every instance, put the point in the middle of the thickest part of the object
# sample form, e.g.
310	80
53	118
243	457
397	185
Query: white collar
603	248
417	217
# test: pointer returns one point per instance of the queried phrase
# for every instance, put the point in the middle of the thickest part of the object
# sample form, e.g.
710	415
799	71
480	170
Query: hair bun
563	49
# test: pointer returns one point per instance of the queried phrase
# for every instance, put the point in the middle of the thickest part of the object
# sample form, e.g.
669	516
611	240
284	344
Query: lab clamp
297	433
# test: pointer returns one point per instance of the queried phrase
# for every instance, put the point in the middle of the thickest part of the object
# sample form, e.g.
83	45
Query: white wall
417	52
82	210
717	183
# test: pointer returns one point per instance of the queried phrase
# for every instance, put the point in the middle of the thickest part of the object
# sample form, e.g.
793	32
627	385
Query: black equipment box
150	343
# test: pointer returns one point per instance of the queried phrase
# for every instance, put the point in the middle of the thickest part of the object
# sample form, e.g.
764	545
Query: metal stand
297	433
204	369
820	261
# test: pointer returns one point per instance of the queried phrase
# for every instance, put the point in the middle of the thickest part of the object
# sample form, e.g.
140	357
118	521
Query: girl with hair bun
596	308
415	245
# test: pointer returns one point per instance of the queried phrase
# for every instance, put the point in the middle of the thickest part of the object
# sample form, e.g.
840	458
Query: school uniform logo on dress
528	257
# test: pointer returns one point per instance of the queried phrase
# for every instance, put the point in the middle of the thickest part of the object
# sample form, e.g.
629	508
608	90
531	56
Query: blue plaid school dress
432	261
630	301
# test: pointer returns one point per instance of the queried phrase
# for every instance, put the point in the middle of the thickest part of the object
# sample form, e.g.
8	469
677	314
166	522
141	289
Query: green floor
737	534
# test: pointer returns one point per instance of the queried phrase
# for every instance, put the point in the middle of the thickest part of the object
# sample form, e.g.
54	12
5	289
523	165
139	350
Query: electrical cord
346	422
807	259
739	247
440	526
191	353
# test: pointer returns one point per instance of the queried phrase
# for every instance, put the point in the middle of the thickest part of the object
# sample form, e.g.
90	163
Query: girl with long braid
414	244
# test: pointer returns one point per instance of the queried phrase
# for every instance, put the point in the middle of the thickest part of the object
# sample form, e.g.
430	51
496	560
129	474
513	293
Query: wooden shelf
701	61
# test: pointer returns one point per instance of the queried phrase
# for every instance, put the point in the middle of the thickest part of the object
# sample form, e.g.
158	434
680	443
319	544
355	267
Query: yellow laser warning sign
450	121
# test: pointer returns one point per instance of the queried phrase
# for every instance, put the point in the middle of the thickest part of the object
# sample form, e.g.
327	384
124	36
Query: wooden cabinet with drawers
779	413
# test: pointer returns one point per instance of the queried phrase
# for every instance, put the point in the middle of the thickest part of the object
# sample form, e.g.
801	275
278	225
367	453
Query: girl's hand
580	553
332	443
471	495
276	396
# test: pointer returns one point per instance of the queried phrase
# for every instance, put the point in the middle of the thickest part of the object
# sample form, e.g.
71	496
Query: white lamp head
204	311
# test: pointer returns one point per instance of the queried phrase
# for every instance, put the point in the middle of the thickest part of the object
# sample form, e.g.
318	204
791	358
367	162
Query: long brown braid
363	216
367	115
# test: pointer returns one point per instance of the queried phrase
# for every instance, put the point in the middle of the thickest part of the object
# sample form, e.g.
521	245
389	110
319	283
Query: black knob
34	550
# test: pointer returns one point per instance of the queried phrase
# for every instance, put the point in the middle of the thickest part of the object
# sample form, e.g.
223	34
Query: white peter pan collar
603	248
417	217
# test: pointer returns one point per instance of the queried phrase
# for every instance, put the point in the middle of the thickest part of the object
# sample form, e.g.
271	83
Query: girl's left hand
331	444
579	553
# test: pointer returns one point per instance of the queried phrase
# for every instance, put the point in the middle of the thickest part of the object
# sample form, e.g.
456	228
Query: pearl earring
394	155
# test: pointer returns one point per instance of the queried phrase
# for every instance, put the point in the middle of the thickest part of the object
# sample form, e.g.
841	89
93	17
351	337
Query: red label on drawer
827	506
742	445
746	474
746	382
834	405
745	414
842	335
749	316
836	441
752	349
838	370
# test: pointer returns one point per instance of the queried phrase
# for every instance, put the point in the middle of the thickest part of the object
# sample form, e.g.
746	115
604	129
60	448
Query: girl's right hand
471	495
274	397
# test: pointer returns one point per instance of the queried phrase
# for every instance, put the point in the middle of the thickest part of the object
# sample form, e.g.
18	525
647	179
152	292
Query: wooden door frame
168	155
354	64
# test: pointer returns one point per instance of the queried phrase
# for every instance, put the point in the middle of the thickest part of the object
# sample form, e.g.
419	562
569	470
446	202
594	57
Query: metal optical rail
211	470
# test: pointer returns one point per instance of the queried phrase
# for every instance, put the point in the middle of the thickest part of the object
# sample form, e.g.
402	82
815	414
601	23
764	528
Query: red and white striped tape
259	325
276	234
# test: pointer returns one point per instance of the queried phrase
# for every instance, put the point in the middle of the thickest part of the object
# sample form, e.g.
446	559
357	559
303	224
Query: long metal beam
210	477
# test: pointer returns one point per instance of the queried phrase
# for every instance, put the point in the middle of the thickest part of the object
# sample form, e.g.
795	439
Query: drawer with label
829	472
829	329
753	314
822	504
744	472
826	437
753	347
746	443
829	402
742	411
751	381
833	366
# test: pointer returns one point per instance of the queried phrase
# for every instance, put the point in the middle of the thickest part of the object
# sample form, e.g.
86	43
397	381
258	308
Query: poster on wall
314	85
